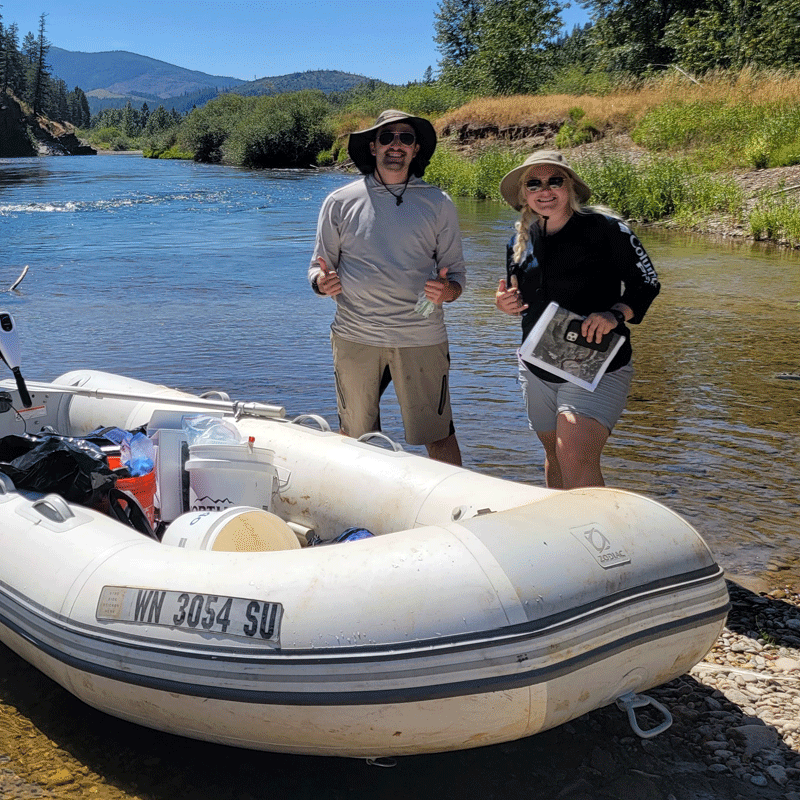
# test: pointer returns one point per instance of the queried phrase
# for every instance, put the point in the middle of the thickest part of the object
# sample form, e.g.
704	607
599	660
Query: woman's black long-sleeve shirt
590	264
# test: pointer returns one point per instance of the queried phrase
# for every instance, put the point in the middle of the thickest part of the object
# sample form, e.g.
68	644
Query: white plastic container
239	529
222	475
172	482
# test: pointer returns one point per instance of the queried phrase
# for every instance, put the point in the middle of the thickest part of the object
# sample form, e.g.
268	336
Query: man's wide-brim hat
358	145
509	186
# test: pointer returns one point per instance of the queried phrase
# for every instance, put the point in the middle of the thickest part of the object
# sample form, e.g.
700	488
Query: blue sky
248	40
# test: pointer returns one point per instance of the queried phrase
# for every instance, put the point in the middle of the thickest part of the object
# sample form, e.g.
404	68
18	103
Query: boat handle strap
630	701
321	421
53	507
378	435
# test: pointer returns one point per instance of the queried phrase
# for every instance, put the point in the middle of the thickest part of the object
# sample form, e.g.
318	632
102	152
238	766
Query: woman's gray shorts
545	400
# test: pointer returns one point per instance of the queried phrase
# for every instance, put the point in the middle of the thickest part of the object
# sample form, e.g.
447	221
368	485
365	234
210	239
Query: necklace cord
398	197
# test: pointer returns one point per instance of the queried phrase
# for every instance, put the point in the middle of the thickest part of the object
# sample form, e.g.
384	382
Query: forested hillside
128	76
74	86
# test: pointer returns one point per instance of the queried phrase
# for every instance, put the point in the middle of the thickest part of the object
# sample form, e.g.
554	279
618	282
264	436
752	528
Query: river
194	275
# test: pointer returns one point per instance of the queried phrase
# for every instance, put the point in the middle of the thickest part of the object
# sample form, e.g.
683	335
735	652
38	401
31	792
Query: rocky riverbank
735	736
23	135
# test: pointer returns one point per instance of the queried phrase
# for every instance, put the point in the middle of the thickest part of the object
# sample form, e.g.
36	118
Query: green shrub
452	173
576	130
286	130
164	144
490	168
325	158
478	178
105	137
756	152
173	152
786	155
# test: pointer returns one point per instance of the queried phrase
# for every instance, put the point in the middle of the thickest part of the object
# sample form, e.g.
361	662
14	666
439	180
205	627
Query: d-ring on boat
481	610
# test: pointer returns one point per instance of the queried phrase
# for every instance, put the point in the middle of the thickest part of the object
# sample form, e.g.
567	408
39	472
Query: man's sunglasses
387	137
537	184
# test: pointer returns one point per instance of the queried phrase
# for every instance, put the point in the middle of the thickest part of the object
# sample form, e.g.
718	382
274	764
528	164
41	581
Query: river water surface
194	276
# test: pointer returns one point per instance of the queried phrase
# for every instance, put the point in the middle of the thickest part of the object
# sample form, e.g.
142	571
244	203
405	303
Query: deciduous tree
496	46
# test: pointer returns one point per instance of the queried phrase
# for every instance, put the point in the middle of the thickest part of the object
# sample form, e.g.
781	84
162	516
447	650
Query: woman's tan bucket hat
509	186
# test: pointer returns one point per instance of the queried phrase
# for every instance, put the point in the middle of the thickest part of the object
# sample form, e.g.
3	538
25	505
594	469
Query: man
385	242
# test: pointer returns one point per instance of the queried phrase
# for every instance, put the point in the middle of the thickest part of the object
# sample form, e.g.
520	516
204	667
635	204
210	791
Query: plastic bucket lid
241	529
237	455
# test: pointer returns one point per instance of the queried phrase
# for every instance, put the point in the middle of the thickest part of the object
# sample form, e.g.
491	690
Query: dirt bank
23	135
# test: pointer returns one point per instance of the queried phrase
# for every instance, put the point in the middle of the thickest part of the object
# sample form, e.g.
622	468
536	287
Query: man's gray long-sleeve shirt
384	253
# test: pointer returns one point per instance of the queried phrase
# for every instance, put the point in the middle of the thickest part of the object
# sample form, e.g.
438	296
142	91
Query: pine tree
13	78
38	81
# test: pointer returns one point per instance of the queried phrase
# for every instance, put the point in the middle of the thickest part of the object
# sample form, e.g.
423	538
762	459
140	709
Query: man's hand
441	290
328	282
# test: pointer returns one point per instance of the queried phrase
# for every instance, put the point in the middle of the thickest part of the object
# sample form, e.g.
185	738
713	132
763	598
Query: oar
235	407
18	281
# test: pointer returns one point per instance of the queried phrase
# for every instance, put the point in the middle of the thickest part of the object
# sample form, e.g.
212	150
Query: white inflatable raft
481	611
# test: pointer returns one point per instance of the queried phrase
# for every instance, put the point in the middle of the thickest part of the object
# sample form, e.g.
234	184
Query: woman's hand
598	324
508	299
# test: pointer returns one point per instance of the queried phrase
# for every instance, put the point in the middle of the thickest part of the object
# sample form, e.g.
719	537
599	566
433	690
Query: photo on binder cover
555	344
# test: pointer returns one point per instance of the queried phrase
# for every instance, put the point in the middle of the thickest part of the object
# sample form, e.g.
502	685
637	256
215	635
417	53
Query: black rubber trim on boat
382	696
539	627
209	663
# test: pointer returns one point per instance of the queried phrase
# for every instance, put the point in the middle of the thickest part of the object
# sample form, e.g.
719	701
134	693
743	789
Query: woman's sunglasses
387	137
537	184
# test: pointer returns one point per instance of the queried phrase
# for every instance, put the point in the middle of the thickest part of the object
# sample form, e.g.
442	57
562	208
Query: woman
589	262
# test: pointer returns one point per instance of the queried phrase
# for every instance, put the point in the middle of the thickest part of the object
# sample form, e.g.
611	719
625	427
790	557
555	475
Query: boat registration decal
203	613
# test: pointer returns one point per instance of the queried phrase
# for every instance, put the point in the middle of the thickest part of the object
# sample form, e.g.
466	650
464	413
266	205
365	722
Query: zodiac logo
600	546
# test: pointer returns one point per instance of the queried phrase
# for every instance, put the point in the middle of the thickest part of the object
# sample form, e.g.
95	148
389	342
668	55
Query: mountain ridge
112	78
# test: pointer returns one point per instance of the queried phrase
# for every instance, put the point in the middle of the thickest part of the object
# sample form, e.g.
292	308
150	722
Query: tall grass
777	219
647	191
743	119
655	189
742	134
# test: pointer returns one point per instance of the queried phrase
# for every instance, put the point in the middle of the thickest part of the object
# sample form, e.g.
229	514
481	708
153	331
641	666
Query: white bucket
225	475
239	529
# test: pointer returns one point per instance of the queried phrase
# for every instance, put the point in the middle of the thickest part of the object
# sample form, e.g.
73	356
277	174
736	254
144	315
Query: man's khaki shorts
421	382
